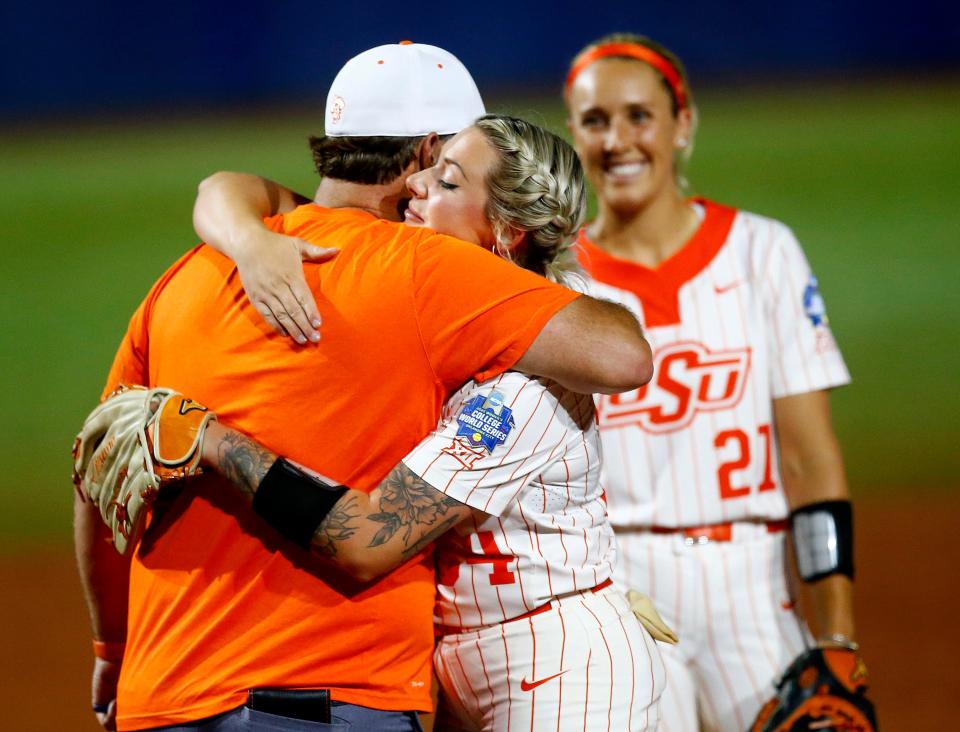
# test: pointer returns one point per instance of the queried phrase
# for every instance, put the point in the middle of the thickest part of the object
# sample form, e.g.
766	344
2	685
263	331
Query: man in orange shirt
210	607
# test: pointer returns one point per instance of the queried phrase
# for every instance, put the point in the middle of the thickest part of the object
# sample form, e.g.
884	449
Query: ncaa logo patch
485	421
813	304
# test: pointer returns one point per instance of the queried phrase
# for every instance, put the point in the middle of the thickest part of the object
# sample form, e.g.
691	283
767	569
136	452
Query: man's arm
104	573
228	215
105	578
591	346
364	534
812	469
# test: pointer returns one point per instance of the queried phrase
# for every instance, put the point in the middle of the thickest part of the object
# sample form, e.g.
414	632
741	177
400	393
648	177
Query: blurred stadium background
842	119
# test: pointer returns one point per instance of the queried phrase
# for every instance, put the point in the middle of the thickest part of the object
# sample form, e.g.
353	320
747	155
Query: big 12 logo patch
688	378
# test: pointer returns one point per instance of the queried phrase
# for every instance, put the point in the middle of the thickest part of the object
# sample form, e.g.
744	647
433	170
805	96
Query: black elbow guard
823	539
295	502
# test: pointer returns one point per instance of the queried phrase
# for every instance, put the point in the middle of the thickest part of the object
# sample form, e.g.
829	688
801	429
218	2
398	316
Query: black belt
311	705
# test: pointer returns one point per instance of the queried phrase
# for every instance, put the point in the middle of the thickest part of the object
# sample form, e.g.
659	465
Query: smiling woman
708	464
633	125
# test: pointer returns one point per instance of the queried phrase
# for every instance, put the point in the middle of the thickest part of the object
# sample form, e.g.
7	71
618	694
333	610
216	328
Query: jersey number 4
738	441
448	574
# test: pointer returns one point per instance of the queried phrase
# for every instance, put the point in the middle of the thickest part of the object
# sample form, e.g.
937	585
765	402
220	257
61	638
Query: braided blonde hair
536	187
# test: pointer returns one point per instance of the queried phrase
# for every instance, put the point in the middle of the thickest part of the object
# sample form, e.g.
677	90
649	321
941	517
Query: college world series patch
485	421
813	303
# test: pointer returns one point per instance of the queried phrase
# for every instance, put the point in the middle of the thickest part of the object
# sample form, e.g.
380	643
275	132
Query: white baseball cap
402	90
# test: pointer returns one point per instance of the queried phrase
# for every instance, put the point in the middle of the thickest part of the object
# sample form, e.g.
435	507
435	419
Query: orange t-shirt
219	602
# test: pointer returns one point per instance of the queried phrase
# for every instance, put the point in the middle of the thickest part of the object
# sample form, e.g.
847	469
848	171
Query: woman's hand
271	272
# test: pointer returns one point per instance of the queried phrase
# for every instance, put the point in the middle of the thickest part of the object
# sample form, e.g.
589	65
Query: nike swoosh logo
531	685
720	289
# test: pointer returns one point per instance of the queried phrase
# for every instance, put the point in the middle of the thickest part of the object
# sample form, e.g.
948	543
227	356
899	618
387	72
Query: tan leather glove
135	442
648	616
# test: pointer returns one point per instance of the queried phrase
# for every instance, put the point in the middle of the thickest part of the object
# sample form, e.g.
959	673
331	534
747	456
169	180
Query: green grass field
92	214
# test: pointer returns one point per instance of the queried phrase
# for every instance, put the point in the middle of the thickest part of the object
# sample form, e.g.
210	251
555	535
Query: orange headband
632	50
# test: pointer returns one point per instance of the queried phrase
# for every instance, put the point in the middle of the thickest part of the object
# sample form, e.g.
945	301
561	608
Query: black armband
294	501
823	539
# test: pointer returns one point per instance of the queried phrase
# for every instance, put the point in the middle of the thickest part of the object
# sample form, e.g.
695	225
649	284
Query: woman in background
707	464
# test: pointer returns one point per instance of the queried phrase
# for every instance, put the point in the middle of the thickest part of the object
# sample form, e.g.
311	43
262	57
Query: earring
682	142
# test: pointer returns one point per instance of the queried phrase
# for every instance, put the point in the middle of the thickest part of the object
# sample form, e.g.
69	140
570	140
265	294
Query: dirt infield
904	601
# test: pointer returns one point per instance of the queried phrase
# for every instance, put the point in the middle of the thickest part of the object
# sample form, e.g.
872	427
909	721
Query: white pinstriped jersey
525	453
735	320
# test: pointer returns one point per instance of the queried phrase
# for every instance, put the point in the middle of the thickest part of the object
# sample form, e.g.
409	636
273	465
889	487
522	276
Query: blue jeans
344	717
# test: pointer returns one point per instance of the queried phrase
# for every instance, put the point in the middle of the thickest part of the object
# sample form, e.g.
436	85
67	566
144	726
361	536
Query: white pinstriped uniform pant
733	609
585	664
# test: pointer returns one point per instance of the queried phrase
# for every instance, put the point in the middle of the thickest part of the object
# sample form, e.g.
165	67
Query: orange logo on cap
337	110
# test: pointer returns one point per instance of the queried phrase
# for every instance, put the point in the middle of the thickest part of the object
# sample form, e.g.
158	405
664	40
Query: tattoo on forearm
243	462
339	525
434	533
406	503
